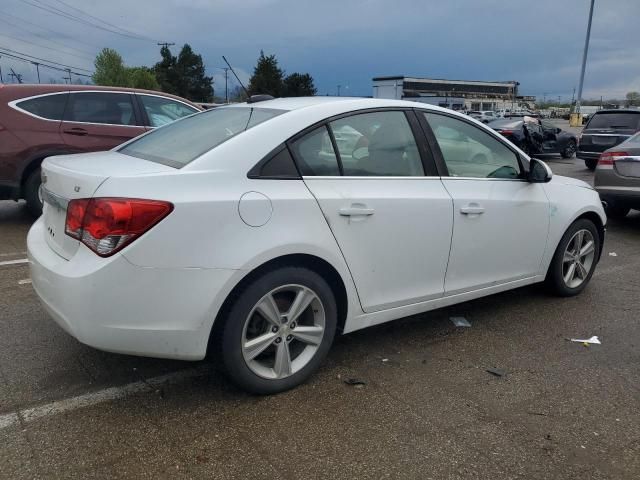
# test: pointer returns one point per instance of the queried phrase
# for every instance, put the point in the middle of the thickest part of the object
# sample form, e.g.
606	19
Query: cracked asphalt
428	409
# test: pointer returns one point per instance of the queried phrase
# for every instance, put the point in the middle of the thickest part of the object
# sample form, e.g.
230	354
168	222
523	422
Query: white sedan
251	233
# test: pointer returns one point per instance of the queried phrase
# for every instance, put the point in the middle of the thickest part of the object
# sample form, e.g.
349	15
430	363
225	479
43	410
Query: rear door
608	129
392	222
95	121
549	136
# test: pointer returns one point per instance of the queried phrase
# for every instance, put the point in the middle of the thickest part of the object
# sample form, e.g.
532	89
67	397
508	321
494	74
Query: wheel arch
34	161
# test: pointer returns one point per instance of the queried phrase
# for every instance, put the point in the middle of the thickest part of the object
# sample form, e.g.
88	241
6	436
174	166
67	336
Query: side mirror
539	172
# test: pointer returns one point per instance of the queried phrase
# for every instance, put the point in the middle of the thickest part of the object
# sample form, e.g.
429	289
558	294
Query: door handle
472	209
356	210
81	132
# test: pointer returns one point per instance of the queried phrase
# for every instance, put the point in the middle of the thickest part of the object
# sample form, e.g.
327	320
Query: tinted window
49	106
279	166
470	152
377	144
315	155
99	107
161	111
615	120
181	142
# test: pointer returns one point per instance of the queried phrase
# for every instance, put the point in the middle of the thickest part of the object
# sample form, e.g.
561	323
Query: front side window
50	107
315	155
181	142
161	111
469	152
377	144
100	107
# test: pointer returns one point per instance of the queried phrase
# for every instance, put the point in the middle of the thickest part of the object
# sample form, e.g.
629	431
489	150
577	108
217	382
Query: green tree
110	69
165	70
142	77
184	75
267	77
299	85
633	99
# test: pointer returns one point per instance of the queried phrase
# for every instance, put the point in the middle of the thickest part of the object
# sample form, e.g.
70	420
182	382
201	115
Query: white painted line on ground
14	254
24	282
14	262
101	396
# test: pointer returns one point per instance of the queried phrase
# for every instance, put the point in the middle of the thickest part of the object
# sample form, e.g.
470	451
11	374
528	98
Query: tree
184	75
110	69
267	77
142	77
633	99
299	85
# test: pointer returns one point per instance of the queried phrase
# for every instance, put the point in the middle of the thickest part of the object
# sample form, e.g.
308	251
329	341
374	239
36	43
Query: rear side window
161	111
181	142
100	107
315	155
614	120
50	107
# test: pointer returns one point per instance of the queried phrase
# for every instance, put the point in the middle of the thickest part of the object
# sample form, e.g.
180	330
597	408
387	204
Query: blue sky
347	42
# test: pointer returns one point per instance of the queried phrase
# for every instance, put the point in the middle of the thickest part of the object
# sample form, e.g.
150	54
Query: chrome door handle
472	209
354	210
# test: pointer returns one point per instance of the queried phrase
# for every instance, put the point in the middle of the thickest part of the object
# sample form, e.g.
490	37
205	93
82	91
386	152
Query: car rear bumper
113	305
584	155
629	196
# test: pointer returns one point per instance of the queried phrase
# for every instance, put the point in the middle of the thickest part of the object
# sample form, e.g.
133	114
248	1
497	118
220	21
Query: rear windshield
505	124
181	142
615	120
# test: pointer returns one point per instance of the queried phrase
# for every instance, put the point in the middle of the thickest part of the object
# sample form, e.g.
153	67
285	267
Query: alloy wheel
283	331
578	258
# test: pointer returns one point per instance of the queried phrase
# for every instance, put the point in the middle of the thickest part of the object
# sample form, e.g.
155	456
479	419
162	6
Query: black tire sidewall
565	153
231	338
554	275
591	163
31	186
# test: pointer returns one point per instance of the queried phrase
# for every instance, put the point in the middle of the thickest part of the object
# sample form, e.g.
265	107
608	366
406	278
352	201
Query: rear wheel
278	330
575	259
569	151
591	163
31	193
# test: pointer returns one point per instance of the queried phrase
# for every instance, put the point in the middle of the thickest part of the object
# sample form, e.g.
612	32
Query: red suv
38	121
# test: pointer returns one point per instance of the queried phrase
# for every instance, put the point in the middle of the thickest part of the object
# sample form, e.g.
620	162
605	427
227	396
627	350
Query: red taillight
506	132
107	225
609	158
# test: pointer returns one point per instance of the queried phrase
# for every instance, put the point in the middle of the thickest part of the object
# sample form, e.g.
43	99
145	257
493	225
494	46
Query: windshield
615	120
181	142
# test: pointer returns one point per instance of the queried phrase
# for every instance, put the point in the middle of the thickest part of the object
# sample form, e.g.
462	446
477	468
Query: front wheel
591	163
575	259
278	330
569	151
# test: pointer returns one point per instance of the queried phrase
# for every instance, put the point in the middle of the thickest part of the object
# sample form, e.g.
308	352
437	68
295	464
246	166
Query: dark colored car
617	178
535	136
39	121
604	130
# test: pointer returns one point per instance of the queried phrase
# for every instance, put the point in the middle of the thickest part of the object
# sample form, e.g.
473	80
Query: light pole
584	58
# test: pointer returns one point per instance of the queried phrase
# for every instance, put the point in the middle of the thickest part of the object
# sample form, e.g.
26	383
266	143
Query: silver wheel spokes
578	258
283	331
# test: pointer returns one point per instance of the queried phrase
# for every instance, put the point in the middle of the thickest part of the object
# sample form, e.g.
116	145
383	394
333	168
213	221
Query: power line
26	60
43	46
43	59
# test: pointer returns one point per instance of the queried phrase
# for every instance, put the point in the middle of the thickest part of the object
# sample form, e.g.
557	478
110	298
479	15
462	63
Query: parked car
37	121
249	232
485	116
604	130
617	178
536	136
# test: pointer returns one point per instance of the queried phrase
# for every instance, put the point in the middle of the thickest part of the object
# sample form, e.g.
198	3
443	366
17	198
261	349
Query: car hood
574	182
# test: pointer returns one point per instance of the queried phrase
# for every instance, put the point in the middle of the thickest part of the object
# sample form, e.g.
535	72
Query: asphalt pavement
428	409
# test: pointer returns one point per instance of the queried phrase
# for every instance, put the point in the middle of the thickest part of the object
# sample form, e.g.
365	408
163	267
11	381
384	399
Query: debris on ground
613	254
385	359
586	341
354	381
460	321
498	372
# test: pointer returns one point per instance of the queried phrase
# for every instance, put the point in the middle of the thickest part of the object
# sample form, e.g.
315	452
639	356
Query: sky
538	43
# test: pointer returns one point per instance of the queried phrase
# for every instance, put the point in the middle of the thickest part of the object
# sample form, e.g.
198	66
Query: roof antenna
234	74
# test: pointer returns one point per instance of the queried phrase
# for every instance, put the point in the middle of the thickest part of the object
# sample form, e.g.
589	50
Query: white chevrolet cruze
257	231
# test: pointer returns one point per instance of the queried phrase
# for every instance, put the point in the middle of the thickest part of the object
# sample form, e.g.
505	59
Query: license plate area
602	140
55	215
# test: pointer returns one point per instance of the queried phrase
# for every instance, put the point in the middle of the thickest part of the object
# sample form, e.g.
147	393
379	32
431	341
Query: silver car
618	177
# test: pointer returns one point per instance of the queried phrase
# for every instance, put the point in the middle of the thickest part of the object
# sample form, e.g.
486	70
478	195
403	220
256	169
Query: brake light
506	132
609	158
107	225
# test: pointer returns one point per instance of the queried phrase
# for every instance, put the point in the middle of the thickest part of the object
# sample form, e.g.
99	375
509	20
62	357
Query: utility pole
37	69
68	70
584	58
226	84
544	98
1	80
15	76
165	44
558	99
573	96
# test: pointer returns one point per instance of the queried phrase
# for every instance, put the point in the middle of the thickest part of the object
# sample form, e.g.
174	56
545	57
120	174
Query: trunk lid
68	177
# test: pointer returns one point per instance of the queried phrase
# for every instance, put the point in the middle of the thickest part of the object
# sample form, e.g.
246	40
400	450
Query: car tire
244	326
569	151
591	163
616	212
560	276
31	193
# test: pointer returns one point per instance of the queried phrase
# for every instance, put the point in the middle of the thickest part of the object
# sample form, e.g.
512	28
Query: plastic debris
354	381
460	321
498	372
385	359
593	340
613	254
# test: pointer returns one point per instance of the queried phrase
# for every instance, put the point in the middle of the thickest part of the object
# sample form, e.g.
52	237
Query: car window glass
377	144
100	107
615	120
472	153
50	106
162	110
315	155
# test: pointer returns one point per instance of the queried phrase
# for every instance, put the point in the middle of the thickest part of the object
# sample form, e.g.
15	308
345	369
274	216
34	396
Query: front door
95	121
501	221
392	223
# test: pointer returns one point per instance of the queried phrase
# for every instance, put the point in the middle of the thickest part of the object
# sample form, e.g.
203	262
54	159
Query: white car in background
257	231
484	116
